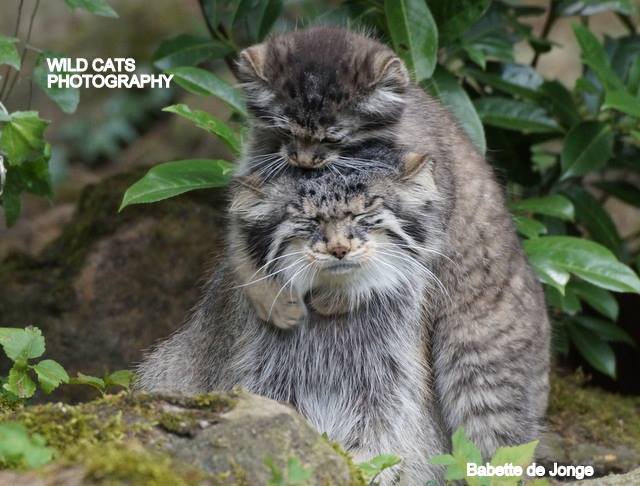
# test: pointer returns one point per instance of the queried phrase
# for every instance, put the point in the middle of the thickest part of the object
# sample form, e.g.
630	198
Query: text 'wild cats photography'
334	242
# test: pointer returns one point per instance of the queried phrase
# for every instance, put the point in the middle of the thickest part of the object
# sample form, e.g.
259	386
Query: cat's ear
389	70
413	164
251	63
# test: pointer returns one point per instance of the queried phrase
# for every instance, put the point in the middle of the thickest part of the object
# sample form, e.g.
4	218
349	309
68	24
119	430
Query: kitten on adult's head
319	94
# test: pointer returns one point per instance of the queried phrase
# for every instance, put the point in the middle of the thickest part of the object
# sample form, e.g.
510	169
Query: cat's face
317	92
356	234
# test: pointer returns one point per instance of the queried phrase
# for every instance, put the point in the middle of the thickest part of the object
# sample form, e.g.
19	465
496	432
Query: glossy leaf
201	82
515	79
96	7
515	115
66	98
173	178
592	7
209	123
187	50
50	375
599	299
569	303
549	272
529	227
591	214
606	330
554	205
414	35
595	350
22	137
560	102
8	52
625	191
446	88
586	259
454	17
587	147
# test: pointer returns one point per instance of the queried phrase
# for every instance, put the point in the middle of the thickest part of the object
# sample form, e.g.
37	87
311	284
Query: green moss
129	465
581	412
357	479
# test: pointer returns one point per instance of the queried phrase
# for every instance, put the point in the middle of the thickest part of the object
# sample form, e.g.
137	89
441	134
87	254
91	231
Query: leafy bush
23	345
560	150
24	152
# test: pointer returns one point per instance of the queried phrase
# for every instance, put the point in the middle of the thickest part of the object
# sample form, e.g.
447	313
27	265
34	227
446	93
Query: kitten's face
353	234
315	93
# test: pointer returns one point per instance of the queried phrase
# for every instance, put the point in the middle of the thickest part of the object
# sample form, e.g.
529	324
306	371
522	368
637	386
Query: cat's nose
339	251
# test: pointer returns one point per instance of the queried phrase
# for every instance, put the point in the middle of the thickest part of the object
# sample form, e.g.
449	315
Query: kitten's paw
288	313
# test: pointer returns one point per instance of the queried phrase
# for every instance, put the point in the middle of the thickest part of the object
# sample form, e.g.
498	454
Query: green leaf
625	191
19	383
549	273
554	205
515	79
560	102
21	345
521	455
464	451
587	147
261	16
445	87
8	52
515	115
454	17
94	381
11	204
209	123
201	82
18	449
622	100
567	303
96	7
594	349
23	137
297	474
592	7
599	299
586	259
66	98
173	178
50	374
594	218
123	378
529	227
187	50
414	35
606	330
372	468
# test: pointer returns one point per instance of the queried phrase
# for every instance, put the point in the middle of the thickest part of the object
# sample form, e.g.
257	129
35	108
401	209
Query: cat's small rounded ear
413	164
390	70
251	63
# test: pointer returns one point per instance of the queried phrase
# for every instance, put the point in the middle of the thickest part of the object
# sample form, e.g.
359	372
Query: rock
113	283
171	439
629	479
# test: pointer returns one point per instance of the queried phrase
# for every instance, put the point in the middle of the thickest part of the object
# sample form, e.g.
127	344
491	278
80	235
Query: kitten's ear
414	163
251	63
389	70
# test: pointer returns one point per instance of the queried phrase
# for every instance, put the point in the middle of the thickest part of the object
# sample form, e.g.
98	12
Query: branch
546	28
15	34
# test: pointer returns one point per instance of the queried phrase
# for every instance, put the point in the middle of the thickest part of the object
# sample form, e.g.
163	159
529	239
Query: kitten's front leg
271	303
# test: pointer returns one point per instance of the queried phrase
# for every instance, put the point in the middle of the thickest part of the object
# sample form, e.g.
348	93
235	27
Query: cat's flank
362	376
322	97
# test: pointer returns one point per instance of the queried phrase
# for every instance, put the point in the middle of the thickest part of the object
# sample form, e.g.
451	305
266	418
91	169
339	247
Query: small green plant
120	378
295	474
21	450
22	346
371	469
466	452
24	152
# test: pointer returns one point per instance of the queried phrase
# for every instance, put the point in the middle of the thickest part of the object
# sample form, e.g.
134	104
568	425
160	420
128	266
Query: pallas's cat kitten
319	98
363	376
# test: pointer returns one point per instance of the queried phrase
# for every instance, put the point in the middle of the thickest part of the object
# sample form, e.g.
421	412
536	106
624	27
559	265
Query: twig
546	28
217	34
24	49
15	34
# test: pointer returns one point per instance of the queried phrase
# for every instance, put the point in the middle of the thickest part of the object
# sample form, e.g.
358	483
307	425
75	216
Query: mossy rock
155	439
589	426
114	283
